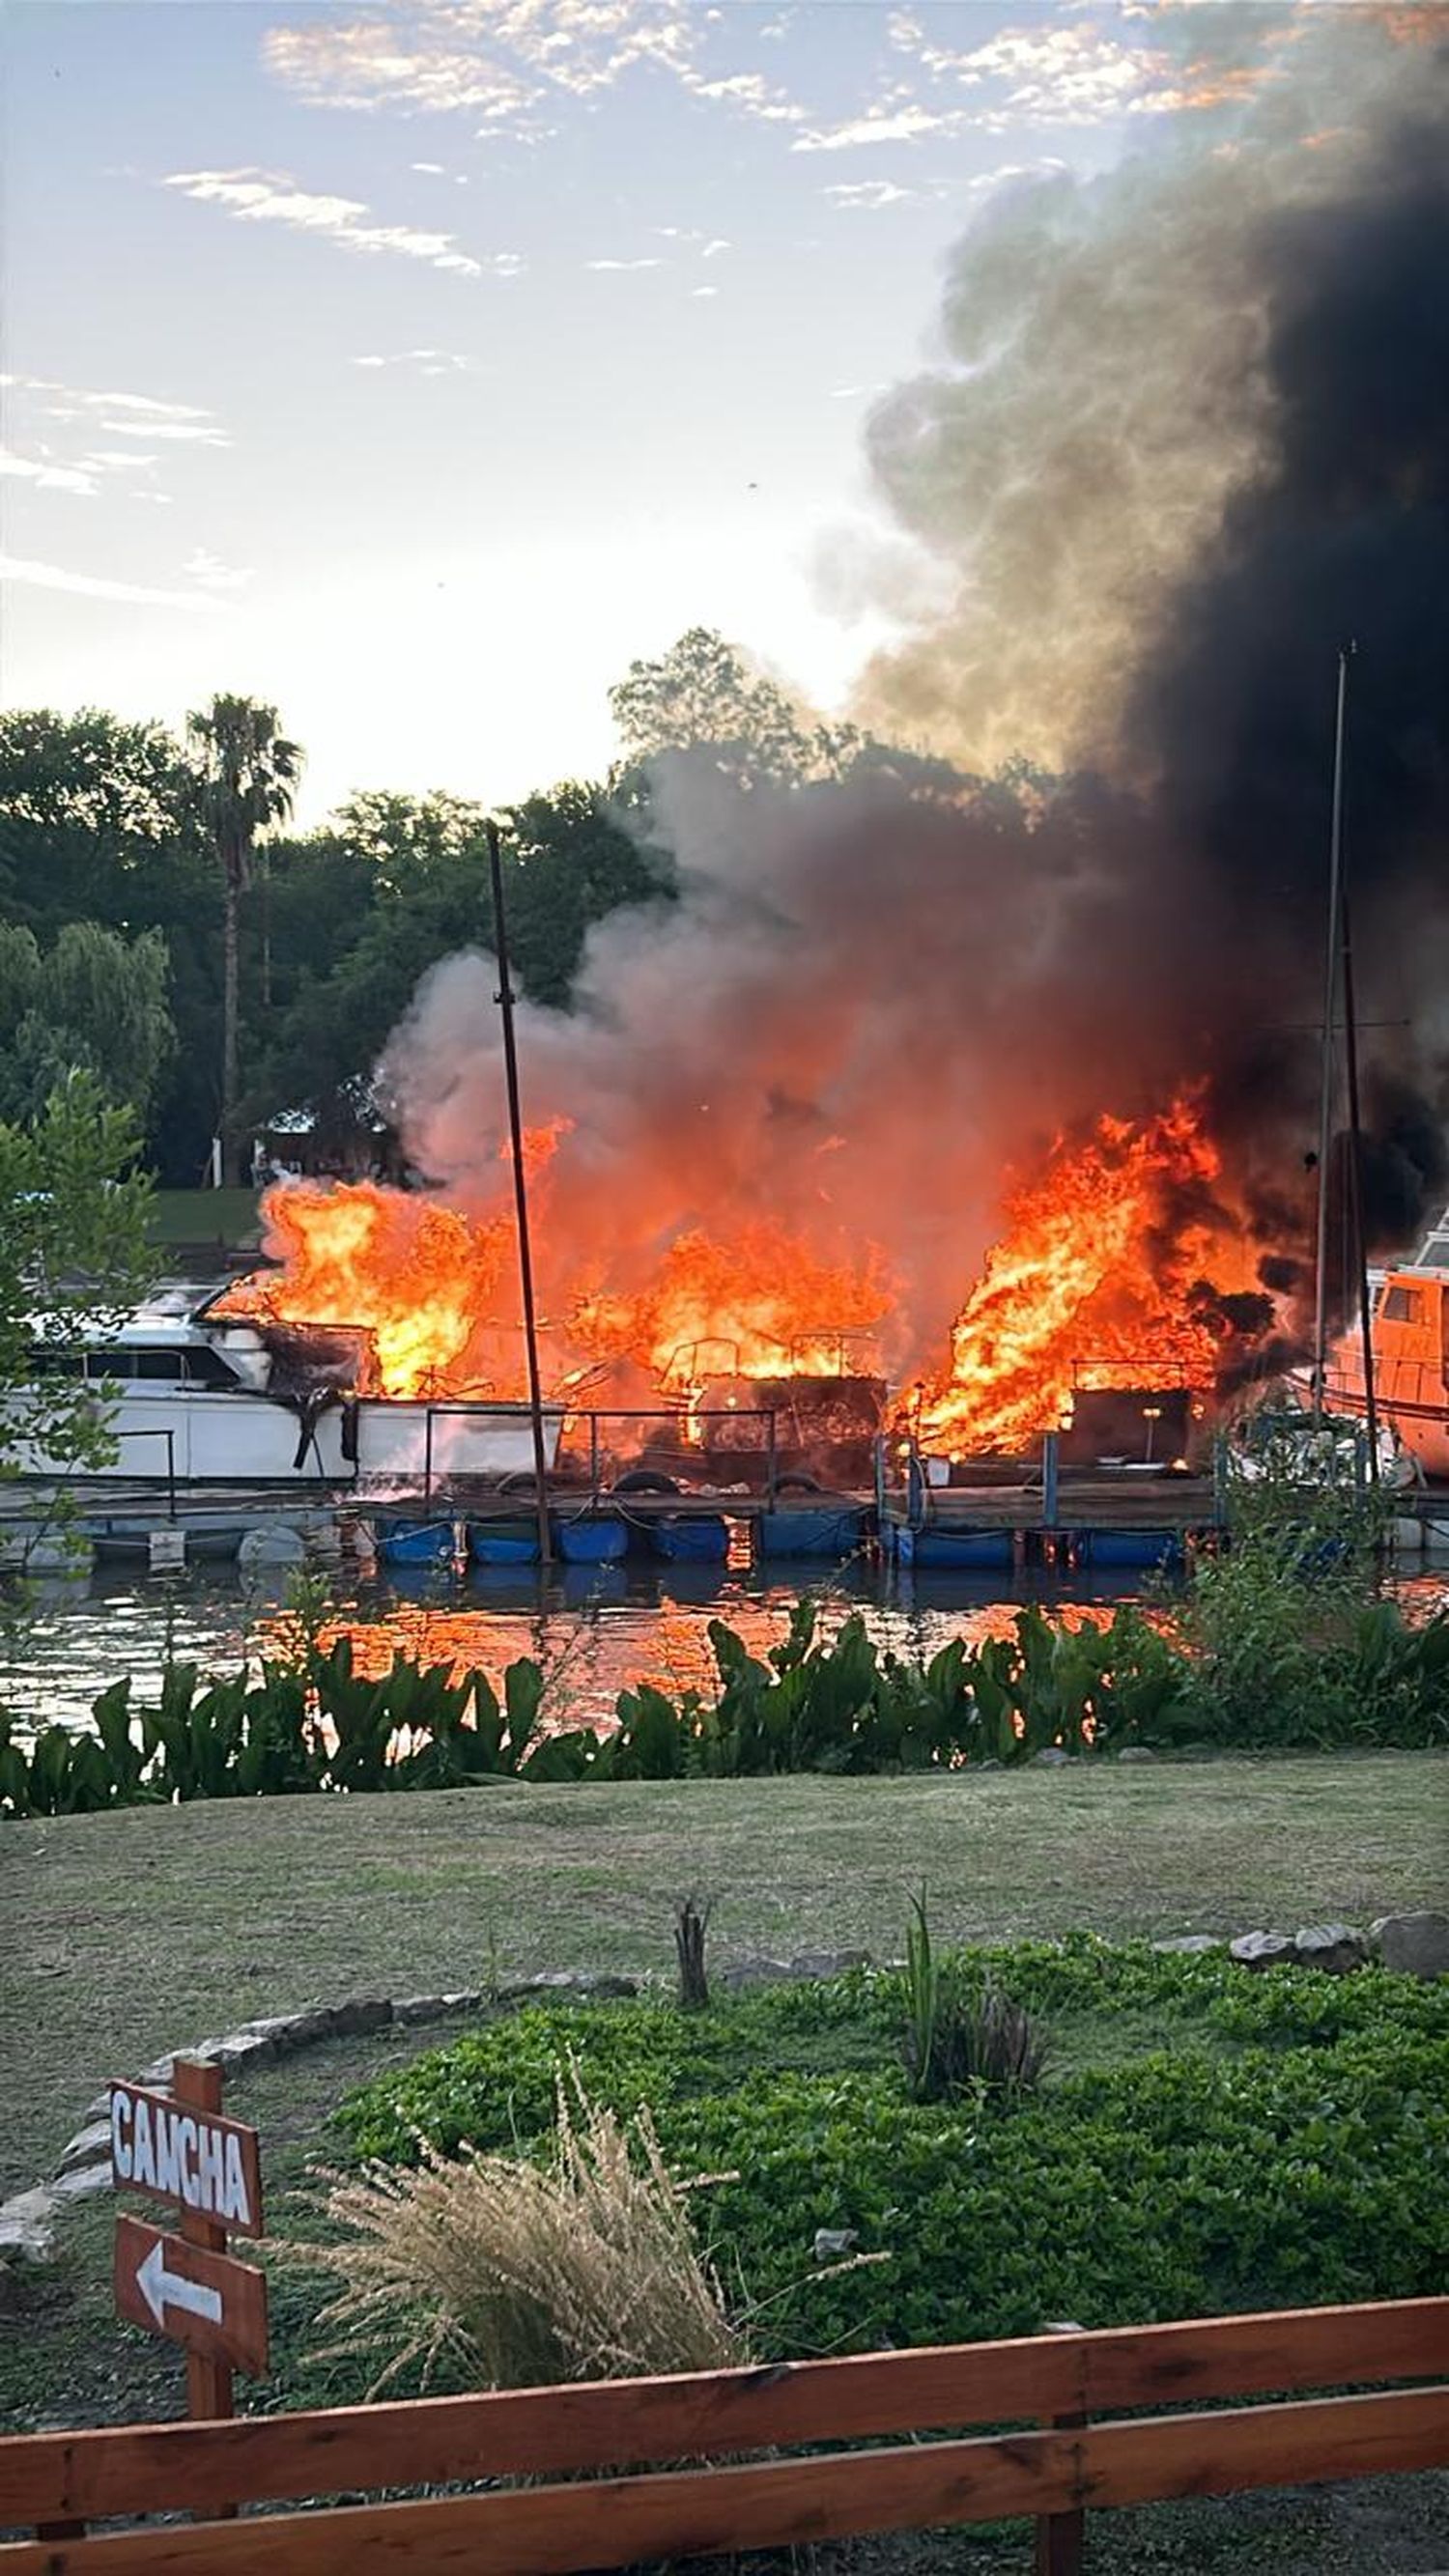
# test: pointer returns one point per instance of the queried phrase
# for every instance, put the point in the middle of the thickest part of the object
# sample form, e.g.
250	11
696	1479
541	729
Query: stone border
1410	1944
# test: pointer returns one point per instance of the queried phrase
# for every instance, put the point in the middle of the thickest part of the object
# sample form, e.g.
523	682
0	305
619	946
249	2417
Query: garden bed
1201	2140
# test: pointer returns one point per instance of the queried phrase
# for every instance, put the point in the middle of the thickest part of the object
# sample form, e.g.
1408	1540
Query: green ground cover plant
1198	2141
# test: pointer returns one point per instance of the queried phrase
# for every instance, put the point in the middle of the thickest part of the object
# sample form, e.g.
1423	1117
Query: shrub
579	2266
960	2037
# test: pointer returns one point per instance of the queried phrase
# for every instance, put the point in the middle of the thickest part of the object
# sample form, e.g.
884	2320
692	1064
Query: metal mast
504	998
1330	1011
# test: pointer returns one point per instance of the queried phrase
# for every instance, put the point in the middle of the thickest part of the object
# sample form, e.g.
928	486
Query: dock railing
669	1419
1130	2415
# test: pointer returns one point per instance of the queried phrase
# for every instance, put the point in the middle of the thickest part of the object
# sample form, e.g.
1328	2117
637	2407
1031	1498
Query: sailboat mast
1330	1013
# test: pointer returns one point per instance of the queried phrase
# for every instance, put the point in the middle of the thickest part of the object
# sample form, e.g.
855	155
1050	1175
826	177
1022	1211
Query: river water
596	1630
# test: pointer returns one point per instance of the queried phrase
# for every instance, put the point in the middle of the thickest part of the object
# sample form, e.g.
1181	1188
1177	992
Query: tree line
164	930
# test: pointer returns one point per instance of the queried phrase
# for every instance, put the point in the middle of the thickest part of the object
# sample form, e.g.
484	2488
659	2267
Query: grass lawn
129	1933
204	1216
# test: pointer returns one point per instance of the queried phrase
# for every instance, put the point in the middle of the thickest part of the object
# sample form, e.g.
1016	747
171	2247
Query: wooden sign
209	2302
179	2147
205	2164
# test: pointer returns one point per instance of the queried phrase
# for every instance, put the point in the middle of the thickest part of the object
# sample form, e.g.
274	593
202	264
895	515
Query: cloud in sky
501	60
78	399
46	475
265	197
88	585
1075	72
211	573
424	362
82	464
882	124
514	65
868	194
621	264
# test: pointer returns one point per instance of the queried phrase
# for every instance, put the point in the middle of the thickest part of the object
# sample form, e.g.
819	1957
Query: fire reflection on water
596	1632
595	1635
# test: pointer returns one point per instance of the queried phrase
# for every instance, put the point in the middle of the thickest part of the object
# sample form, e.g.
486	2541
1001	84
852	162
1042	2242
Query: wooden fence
1060	2386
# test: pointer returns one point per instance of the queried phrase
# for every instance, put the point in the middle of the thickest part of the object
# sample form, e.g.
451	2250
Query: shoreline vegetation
1281	1641
835	1703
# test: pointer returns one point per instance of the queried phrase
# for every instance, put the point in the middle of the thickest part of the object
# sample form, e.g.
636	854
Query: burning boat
203	1397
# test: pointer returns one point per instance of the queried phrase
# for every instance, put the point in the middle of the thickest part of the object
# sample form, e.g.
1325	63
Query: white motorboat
200	1400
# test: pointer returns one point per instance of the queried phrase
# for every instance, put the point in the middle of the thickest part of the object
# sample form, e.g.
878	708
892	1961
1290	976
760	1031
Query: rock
1136	1753
757	1972
832	2242
238	2048
1192	1945
304	2029
88	2145
408	2009
1333	1946
597	1983
827	1963
27	2226
160	2069
1050	1758
363	2013
1413	1945
277	2027
1263	1949
82	2182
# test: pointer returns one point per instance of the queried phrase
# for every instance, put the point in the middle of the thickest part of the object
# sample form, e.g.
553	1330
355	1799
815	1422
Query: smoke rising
1191	438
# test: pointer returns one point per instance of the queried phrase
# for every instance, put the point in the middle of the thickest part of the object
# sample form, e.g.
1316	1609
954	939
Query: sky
416	370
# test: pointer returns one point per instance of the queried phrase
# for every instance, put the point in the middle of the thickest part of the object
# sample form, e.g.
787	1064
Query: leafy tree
86	801
568	863
74	1258
247	778
94	1000
702	693
98	824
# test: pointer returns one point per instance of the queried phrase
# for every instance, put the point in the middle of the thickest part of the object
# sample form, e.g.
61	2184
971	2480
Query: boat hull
200	1435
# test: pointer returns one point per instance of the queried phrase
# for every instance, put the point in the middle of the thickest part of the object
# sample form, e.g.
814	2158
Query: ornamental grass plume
584	2267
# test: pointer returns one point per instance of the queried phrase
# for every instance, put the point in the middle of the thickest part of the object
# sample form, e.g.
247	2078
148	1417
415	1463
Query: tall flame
1092	1284
761	1305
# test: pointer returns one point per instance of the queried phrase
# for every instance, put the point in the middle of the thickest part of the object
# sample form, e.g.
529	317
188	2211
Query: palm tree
247	776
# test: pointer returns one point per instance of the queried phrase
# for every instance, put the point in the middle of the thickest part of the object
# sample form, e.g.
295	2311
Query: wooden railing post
1061	2537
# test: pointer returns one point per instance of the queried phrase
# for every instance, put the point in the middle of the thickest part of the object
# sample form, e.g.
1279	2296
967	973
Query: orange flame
417	1278
1096	1281
1088	1287
761	1305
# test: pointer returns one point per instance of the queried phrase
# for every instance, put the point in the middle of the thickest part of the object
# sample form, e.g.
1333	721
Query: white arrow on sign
162	2289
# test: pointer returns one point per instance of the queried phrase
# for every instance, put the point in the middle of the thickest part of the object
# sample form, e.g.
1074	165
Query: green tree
74	1258
93	1001
98	824
702	693
247	779
568	863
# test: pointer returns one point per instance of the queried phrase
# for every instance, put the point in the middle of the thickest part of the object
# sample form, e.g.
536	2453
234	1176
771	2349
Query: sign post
178	2147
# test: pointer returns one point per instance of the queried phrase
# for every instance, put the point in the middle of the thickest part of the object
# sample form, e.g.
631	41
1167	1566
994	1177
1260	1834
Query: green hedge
1204	2141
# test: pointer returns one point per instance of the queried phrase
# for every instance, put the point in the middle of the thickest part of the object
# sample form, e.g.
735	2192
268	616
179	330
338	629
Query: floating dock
989	1519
